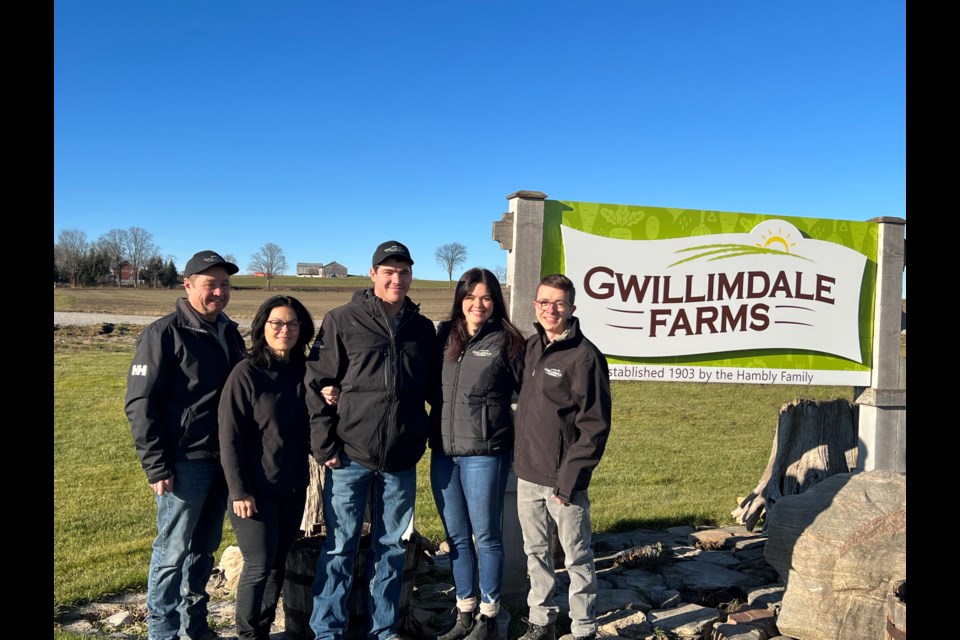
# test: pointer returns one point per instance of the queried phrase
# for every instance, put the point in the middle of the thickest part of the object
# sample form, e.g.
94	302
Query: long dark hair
259	352
459	336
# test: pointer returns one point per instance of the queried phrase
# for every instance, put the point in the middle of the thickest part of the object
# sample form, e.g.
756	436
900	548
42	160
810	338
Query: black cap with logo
391	249
204	260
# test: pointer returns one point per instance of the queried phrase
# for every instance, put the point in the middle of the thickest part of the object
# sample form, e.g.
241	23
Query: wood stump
813	441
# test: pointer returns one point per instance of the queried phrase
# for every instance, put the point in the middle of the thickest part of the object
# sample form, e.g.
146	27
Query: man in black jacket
173	391
376	351
562	423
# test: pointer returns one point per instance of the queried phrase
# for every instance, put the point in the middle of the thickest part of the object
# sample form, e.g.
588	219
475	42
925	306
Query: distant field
319	295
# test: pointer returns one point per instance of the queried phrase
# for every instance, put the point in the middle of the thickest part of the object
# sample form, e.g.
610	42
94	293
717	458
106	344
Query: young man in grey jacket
562	423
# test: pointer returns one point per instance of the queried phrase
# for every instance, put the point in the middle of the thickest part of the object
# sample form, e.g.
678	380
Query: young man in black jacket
375	350
173	391
562	423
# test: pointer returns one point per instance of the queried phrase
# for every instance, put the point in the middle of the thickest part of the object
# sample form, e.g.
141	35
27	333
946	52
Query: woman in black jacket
264	444
476	373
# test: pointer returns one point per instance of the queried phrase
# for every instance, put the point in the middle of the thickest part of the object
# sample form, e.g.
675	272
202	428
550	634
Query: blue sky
327	128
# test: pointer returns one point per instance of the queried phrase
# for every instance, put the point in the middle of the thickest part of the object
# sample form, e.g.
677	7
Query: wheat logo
139	370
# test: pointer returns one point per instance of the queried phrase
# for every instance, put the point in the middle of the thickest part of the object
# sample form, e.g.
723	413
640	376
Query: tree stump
312	522
813	441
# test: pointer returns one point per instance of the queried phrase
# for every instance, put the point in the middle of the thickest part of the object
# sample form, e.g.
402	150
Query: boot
462	626
485	629
536	632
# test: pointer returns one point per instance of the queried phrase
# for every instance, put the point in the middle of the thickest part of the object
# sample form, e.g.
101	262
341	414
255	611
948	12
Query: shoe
537	632
485	629
207	634
462	626
570	636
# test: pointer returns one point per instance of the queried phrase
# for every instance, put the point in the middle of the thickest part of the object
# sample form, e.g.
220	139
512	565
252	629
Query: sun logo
771	238
761	240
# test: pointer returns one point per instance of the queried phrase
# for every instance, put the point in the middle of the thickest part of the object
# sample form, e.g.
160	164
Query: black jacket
470	412
380	420
563	413
173	389
264	430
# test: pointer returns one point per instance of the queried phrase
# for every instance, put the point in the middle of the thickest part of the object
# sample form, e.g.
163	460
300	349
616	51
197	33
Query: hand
332	463
330	394
162	486
245	507
561	501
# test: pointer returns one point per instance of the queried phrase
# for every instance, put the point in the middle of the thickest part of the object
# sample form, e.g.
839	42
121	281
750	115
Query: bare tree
141	248
270	261
229	258
501	272
115	244
450	256
72	250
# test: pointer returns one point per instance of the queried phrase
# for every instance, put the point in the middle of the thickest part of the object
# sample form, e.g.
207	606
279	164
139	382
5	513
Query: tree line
79	262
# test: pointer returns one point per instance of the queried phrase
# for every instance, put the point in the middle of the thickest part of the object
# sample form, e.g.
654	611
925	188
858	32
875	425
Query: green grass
677	454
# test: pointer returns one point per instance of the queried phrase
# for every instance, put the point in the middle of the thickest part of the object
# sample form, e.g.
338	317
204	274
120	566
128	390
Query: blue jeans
345	494
539	514
469	493
189	530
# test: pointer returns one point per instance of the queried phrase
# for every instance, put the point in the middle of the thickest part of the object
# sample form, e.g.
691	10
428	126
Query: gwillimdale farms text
723	290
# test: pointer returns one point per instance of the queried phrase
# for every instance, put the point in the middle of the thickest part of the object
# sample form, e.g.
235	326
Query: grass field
679	453
316	294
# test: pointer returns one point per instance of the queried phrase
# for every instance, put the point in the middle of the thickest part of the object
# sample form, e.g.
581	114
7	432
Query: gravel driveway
72	318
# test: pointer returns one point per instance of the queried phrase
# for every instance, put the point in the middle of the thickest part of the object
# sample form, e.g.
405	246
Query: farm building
320	270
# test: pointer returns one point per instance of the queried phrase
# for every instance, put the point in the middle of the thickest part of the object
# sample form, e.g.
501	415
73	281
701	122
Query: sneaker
537	632
207	634
485	629
570	636
461	628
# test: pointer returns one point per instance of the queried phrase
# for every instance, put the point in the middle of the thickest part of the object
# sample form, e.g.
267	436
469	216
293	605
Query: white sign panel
771	288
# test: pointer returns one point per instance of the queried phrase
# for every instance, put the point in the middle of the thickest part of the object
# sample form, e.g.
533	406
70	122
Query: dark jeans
264	541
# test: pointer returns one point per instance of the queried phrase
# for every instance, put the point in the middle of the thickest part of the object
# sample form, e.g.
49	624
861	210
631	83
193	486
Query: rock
685	621
841	546
231	564
119	619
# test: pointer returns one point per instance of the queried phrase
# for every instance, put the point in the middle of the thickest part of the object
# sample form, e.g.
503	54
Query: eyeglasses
546	304
278	325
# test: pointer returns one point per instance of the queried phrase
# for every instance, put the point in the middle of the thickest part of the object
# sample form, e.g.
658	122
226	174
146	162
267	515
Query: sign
712	296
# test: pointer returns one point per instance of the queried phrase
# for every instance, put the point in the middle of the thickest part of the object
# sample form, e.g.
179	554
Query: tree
153	271
116	245
71	249
450	256
501	272
95	267
141	249
170	274
269	261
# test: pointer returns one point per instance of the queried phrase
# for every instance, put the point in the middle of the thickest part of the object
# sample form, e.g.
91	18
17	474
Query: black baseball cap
206	259
391	249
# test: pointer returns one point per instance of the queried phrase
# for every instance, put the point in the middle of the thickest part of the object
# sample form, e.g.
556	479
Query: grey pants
539	514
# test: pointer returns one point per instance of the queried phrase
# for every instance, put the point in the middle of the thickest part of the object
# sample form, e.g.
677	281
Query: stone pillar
520	232
883	406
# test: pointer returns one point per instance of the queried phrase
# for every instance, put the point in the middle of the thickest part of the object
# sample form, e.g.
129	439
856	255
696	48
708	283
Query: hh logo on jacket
138	370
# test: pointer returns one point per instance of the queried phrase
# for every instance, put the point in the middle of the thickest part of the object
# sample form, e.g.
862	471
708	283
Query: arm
236	424
592	391
146	395
325	367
